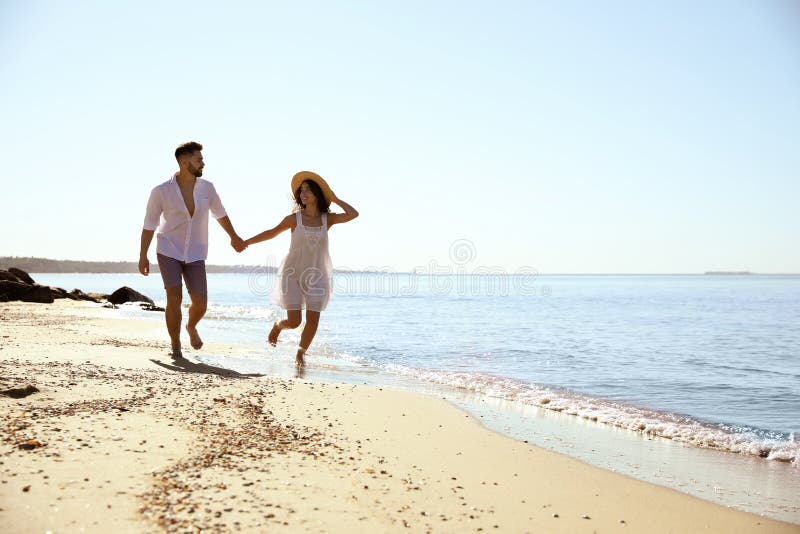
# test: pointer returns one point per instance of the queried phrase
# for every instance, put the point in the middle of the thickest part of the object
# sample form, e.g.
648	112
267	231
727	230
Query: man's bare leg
172	314
310	330
196	312
292	321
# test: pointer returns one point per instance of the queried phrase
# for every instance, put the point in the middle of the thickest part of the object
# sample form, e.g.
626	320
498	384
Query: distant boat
726	272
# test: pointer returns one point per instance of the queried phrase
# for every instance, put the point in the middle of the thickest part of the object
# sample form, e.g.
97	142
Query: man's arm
144	263
237	242
151	220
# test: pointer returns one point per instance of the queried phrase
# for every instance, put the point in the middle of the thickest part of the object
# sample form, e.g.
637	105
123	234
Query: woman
304	279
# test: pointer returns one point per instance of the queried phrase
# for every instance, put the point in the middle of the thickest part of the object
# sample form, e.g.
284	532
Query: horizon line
715	272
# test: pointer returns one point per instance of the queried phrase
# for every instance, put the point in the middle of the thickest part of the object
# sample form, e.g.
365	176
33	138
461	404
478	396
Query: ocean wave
238	313
645	421
745	369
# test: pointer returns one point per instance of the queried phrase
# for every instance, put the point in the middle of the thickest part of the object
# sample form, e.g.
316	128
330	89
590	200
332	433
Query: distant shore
47	265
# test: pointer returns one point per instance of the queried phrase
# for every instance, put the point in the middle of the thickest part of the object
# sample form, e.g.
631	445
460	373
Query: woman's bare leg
310	330
293	320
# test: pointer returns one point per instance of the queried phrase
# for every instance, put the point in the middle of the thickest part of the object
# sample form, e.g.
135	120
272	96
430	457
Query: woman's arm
349	214
286	224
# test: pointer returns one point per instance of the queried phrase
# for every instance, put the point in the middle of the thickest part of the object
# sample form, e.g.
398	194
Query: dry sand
119	438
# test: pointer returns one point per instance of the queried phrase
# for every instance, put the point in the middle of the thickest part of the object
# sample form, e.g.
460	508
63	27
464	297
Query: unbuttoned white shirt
180	235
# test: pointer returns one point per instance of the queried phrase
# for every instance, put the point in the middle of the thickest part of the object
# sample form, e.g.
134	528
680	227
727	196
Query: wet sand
119	436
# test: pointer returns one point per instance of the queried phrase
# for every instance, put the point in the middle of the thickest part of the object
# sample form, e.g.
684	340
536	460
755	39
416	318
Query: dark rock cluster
16	284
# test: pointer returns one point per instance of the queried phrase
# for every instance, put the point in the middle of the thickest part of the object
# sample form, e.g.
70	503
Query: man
179	208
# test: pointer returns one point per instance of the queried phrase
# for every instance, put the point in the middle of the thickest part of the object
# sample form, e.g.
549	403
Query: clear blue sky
564	136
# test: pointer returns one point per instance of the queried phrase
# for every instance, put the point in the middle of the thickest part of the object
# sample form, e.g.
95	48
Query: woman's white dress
305	277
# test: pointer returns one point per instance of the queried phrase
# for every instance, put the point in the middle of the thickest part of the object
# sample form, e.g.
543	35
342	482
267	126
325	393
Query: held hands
238	243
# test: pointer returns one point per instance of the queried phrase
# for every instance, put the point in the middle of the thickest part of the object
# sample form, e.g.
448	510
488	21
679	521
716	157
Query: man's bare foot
194	338
176	352
272	338
299	360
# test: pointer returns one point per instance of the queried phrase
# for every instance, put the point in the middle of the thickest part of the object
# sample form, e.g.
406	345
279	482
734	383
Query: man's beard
197	172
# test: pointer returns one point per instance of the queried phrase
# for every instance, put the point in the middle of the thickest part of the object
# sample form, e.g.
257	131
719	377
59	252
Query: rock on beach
16	284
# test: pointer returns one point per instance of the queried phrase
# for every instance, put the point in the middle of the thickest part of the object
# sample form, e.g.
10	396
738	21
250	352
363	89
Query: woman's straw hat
302	176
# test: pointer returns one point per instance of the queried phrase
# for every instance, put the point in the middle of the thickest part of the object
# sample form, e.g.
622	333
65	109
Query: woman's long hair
323	205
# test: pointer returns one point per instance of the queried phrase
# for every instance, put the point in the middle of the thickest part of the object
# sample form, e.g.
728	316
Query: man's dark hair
187	149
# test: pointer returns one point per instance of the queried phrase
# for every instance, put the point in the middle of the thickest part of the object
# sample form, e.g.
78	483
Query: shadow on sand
182	365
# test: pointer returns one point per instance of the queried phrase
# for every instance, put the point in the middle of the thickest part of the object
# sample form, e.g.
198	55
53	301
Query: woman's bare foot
272	338
299	360
194	338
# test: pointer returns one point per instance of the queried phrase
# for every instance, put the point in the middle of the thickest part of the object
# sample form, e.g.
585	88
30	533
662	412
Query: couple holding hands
179	209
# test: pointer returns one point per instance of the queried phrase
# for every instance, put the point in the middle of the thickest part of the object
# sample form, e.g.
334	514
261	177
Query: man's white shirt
180	236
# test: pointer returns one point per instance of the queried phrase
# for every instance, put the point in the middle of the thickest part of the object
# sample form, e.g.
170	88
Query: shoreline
744	482
315	455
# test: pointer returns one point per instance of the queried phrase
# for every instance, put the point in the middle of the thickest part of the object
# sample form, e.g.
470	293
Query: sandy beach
119	436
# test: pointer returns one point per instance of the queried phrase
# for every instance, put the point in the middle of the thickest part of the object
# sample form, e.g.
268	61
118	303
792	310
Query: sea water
704	368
